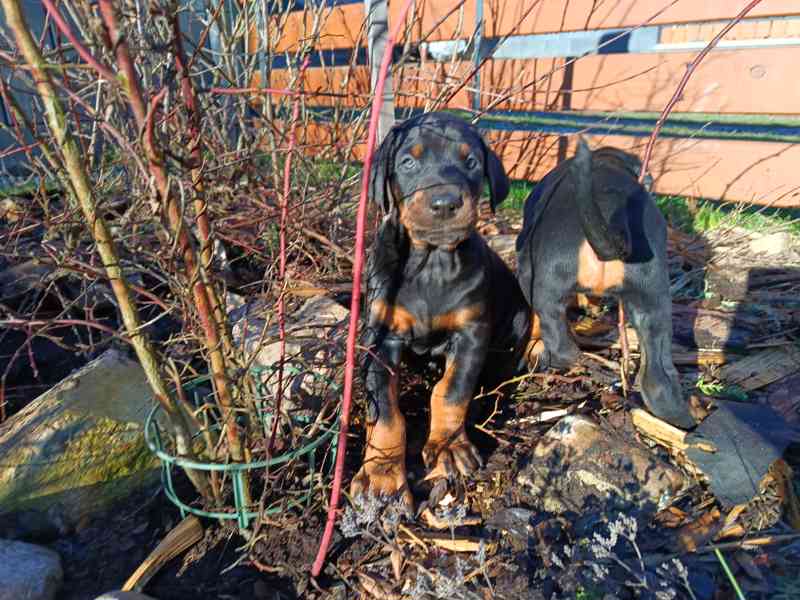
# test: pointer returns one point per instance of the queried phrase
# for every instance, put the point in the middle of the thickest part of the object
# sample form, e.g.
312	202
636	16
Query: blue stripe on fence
336	57
295	5
567	123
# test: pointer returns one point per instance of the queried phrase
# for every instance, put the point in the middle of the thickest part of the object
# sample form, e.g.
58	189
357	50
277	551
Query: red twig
676	97
287	165
255	91
148	128
26	149
82	50
355	302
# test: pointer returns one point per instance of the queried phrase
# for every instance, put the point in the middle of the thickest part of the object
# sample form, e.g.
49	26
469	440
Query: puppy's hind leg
651	315
560	350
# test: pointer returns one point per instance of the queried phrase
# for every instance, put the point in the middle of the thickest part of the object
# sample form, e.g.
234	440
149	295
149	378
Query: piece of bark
699	532
180	538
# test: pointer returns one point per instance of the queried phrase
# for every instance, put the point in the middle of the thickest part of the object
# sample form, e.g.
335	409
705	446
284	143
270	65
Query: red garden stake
355	302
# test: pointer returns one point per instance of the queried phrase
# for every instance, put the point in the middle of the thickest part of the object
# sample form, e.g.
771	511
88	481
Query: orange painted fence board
725	170
754	80
504	17
550	16
761	80
436	20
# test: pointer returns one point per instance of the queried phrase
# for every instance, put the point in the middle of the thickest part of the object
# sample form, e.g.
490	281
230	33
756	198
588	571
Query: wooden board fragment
666	434
762	368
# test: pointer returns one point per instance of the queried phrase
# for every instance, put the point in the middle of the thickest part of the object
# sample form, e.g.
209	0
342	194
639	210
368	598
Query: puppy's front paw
446	456
383	477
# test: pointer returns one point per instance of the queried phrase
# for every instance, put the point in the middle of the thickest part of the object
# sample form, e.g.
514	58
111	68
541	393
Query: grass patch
693	216
517	195
29	189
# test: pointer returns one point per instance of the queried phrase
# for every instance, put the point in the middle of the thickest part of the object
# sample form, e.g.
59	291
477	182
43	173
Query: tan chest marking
457	319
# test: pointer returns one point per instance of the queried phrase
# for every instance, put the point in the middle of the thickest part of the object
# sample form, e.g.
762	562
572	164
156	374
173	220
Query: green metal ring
152	436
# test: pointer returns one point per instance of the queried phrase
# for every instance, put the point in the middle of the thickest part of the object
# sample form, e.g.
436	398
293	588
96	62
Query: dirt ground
503	542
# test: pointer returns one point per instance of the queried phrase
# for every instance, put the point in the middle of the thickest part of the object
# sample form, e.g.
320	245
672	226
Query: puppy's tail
610	239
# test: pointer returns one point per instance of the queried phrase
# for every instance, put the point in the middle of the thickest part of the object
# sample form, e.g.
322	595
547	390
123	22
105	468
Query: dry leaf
376	587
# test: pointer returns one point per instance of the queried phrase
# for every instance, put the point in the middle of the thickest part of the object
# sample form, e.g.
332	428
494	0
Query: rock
28	572
315	337
124	596
41	527
79	446
25	277
579	466
771	244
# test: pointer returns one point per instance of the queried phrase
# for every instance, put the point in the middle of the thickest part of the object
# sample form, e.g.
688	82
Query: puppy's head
429	172
624	161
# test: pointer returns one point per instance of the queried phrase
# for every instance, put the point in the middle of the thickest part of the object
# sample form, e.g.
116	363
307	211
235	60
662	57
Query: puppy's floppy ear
499	185
381	171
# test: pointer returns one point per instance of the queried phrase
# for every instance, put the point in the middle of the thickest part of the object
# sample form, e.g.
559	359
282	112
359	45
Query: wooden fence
538	72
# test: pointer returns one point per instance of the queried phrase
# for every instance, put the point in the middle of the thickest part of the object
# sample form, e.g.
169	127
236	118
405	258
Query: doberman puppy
434	289
590	227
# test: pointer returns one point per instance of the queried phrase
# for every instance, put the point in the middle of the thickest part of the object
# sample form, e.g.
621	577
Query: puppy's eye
471	162
408	162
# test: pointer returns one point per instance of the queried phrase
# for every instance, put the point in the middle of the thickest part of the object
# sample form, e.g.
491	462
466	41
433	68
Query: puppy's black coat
590	227
436	289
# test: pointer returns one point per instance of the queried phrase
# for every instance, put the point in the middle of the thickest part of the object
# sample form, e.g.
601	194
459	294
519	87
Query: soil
523	545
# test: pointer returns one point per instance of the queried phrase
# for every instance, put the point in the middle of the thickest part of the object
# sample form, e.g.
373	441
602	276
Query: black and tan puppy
590	227
435	289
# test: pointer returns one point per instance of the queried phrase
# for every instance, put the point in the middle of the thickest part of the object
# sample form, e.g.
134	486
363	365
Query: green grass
706	215
29	189
517	196
690	216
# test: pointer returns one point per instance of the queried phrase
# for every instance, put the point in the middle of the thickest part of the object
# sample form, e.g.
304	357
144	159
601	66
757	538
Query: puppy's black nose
446	205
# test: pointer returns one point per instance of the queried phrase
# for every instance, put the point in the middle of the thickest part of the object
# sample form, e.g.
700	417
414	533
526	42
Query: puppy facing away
434	289
590	227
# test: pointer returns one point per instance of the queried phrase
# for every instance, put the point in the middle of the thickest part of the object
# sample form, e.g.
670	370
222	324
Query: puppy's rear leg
560	350
651	315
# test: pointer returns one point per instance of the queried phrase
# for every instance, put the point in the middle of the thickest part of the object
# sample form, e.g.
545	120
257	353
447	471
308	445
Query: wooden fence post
377	12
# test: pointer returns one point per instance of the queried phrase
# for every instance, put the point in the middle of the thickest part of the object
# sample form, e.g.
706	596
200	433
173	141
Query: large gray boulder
28	572
79	446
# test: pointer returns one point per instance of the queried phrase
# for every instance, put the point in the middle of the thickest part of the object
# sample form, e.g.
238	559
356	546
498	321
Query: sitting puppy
434	289
590	227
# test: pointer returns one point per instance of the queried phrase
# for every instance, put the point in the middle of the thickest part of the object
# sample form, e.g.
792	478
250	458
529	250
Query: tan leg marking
384	468
596	275
394	316
455	320
448	449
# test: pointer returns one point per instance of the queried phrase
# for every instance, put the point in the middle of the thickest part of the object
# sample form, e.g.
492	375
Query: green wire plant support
154	438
